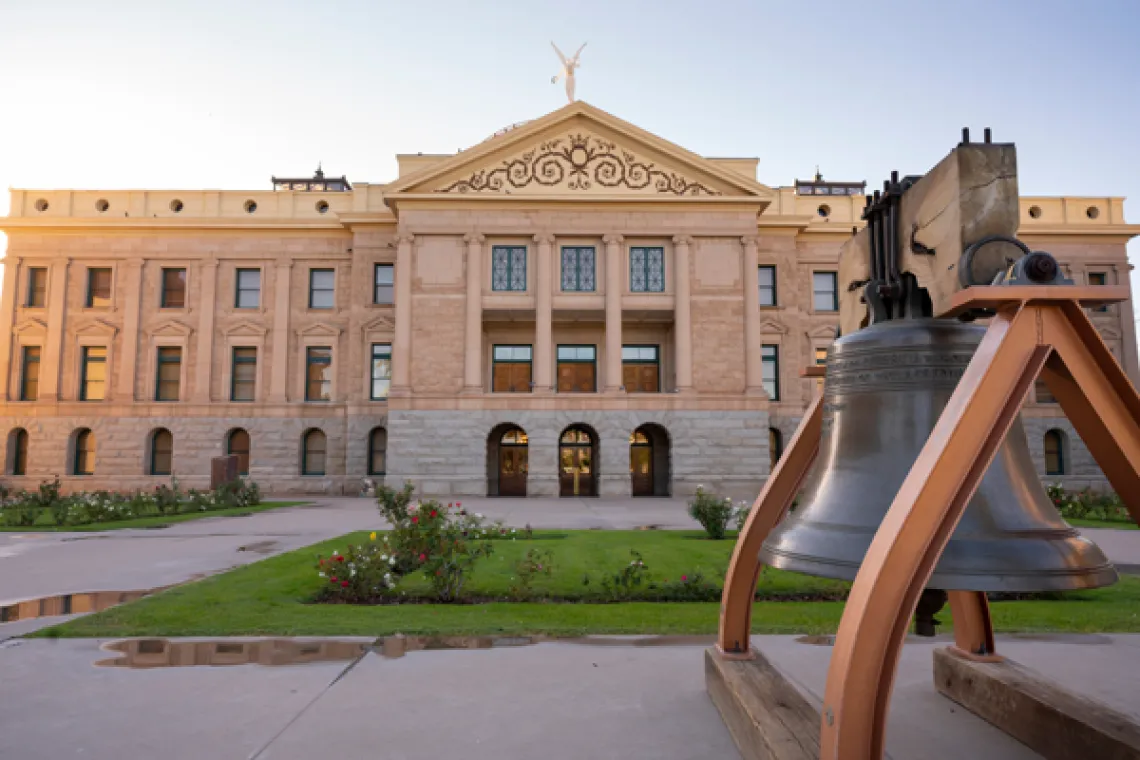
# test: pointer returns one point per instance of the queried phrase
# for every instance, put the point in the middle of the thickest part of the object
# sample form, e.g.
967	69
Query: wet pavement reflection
70	604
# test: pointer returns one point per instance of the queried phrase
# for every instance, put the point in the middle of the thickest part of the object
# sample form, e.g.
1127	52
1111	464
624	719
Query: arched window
19	451
313	453
84	454
638	438
161	452
237	444
514	437
775	445
576	437
377	451
1054	452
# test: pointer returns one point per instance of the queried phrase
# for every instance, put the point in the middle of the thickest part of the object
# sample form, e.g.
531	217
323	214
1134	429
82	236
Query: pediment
320	330
171	328
96	326
576	151
30	326
380	324
246	329
772	326
828	332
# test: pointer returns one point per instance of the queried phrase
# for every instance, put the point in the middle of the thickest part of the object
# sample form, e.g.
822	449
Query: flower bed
48	507
1088	505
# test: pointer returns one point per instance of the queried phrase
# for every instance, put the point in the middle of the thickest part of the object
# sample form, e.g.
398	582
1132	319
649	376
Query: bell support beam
915	531
769	508
973	627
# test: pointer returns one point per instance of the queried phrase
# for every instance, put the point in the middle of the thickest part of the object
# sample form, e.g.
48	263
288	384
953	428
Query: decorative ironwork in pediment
578	162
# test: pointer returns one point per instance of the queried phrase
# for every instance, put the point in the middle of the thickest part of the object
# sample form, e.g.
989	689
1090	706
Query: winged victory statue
567	73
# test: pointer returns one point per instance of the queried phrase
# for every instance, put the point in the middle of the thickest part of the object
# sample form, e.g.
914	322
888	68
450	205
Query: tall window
93	373
237	444
30	374
313	453
1054	452
640	369
168	377
821	356
98	287
770	375
321	285
578	268
381	370
767	279
377	451
577	369
318	373
19	439
243	377
647	270
37	287
84	454
161	452
508	267
173	288
511	369
825	291
248	284
1099	278
383	284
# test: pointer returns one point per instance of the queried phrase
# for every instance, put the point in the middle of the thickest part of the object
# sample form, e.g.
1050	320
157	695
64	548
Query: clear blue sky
172	94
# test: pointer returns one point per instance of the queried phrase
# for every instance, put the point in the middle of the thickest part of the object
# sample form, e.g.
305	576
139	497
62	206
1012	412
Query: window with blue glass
578	269
647	270
508	267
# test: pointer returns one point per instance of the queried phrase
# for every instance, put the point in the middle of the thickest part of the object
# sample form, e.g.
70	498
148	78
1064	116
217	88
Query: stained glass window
508	267
647	270
578	268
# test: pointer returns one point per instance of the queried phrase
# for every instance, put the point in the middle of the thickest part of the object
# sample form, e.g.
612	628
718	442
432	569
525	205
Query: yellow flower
372	536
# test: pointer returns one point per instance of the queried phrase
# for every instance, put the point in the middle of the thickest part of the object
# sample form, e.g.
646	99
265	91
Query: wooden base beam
768	717
1042	714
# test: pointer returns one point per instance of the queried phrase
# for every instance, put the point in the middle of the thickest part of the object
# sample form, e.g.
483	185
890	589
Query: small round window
824	211
102	205
176	206
250	207
1092	212
41	205
322	207
1035	212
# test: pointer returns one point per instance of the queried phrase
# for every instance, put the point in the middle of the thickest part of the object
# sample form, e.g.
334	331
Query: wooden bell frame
1036	331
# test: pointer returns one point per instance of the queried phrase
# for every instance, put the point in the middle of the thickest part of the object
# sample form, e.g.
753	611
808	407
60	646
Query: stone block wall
445	453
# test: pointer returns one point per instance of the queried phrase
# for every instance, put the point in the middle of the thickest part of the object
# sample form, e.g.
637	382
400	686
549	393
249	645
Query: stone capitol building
573	306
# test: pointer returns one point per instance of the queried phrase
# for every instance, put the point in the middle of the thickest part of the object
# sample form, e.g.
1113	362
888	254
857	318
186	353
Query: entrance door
576	475
512	470
640	464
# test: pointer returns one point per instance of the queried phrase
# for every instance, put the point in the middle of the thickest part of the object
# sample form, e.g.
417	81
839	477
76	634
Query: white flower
391	560
479	515
383	557
321	574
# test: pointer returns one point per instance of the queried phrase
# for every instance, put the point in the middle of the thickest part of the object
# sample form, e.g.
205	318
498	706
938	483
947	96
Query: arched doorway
577	455
649	461
507	461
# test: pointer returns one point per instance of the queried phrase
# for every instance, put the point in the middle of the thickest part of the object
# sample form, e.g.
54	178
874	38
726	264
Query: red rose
423	557
415	519
322	562
684	578
340	559
458	504
433	513
344	584
332	579
449	505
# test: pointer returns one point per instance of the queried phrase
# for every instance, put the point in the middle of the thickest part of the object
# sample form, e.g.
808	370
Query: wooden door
576	377
576	471
641	469
640	378
513	377
512	470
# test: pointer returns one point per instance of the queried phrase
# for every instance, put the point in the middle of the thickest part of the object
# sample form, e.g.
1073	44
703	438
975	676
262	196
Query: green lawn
1114	524
45	525
272	597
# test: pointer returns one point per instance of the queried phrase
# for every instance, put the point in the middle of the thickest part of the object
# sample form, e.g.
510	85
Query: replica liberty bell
886	385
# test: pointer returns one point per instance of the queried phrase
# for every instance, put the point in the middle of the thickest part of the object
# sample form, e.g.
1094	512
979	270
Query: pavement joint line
260	752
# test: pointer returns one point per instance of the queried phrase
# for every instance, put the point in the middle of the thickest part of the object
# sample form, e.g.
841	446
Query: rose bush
712	512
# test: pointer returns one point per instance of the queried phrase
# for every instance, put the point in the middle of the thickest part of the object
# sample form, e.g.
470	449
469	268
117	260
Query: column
543	315
613	313
132	276
205	358
753	367
279	377
682	315
473	360
12	271
402	341
57	310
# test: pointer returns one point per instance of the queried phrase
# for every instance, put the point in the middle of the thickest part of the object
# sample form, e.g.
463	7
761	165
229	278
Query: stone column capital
284	263
682	240
136	262
62	261
405	237
613	238
474	238
750	241
210	261
544	237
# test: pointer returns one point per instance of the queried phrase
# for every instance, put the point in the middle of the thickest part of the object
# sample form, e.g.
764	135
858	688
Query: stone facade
728	355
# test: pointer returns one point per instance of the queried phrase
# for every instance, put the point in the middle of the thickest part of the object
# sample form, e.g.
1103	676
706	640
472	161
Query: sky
168	94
